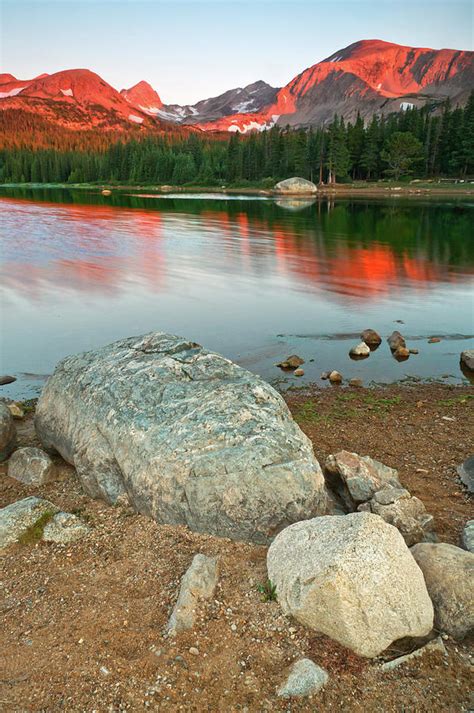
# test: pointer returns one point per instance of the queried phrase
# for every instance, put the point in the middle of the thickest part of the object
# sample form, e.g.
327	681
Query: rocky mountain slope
367	77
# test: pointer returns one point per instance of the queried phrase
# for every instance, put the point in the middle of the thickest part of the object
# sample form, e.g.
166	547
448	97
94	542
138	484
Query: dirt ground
82	624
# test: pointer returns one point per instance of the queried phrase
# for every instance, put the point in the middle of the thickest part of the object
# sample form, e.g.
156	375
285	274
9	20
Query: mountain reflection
360	249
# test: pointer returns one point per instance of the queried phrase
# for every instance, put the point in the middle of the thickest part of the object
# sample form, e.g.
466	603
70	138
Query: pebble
414	351
194	651
299	372
233	627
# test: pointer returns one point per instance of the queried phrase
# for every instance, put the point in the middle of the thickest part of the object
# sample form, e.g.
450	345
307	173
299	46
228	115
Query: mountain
75	99
144	97
251	98
368	77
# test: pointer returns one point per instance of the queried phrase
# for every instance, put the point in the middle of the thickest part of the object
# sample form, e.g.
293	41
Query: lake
251	277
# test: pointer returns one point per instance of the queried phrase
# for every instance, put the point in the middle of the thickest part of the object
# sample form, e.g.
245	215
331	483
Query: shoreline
418	190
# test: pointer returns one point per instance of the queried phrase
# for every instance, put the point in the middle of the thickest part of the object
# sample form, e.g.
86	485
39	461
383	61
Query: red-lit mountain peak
143	96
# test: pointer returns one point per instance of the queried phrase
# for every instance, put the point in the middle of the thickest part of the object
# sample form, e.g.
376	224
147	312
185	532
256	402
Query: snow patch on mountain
11	93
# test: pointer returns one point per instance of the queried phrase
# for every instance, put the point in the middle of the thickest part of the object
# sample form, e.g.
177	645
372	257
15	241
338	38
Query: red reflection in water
104	249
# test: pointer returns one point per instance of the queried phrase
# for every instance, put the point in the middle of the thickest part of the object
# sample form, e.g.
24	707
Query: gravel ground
82	624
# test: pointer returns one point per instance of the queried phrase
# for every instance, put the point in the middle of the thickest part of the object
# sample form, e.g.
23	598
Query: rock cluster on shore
188	437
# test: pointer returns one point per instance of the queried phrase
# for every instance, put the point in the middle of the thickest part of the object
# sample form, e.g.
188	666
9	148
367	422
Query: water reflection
354	250
79	269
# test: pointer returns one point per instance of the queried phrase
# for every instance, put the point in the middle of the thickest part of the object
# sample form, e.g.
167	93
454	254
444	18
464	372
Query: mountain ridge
367	77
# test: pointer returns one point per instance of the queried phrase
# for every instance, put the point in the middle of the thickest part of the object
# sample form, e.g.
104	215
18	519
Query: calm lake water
254	278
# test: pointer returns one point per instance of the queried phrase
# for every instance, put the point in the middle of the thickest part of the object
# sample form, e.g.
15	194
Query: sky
194	49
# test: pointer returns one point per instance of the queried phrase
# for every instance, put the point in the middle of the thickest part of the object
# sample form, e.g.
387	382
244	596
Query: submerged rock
291	362
7	432
7	379
371	337
31	465
360	350
198	584
296	185
20	518
449	576
352	578
305	679
395	341
401	353
188	436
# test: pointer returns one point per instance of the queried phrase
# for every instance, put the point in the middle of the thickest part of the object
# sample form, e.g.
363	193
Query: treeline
415	142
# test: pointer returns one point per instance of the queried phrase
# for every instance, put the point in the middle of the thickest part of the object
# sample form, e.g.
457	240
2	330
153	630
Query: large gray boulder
352	578
467	537
296	185
449	575
24	518
31	465
466	473
188	436
7	432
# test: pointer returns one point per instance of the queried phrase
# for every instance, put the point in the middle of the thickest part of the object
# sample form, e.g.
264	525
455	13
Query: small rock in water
433	340
325	374
371	337
356	382
291	362
360	350
467	538
335	377
31	465
7	432
6	379
414	351
304	679
401	353
16	411
395	341
299	372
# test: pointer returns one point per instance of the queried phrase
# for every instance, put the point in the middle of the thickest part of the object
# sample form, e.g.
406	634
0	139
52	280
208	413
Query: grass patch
381	404
454	402
35	532
268	591
307	412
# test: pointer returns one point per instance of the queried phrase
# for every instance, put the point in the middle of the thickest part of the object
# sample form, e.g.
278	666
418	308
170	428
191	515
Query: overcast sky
193	49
